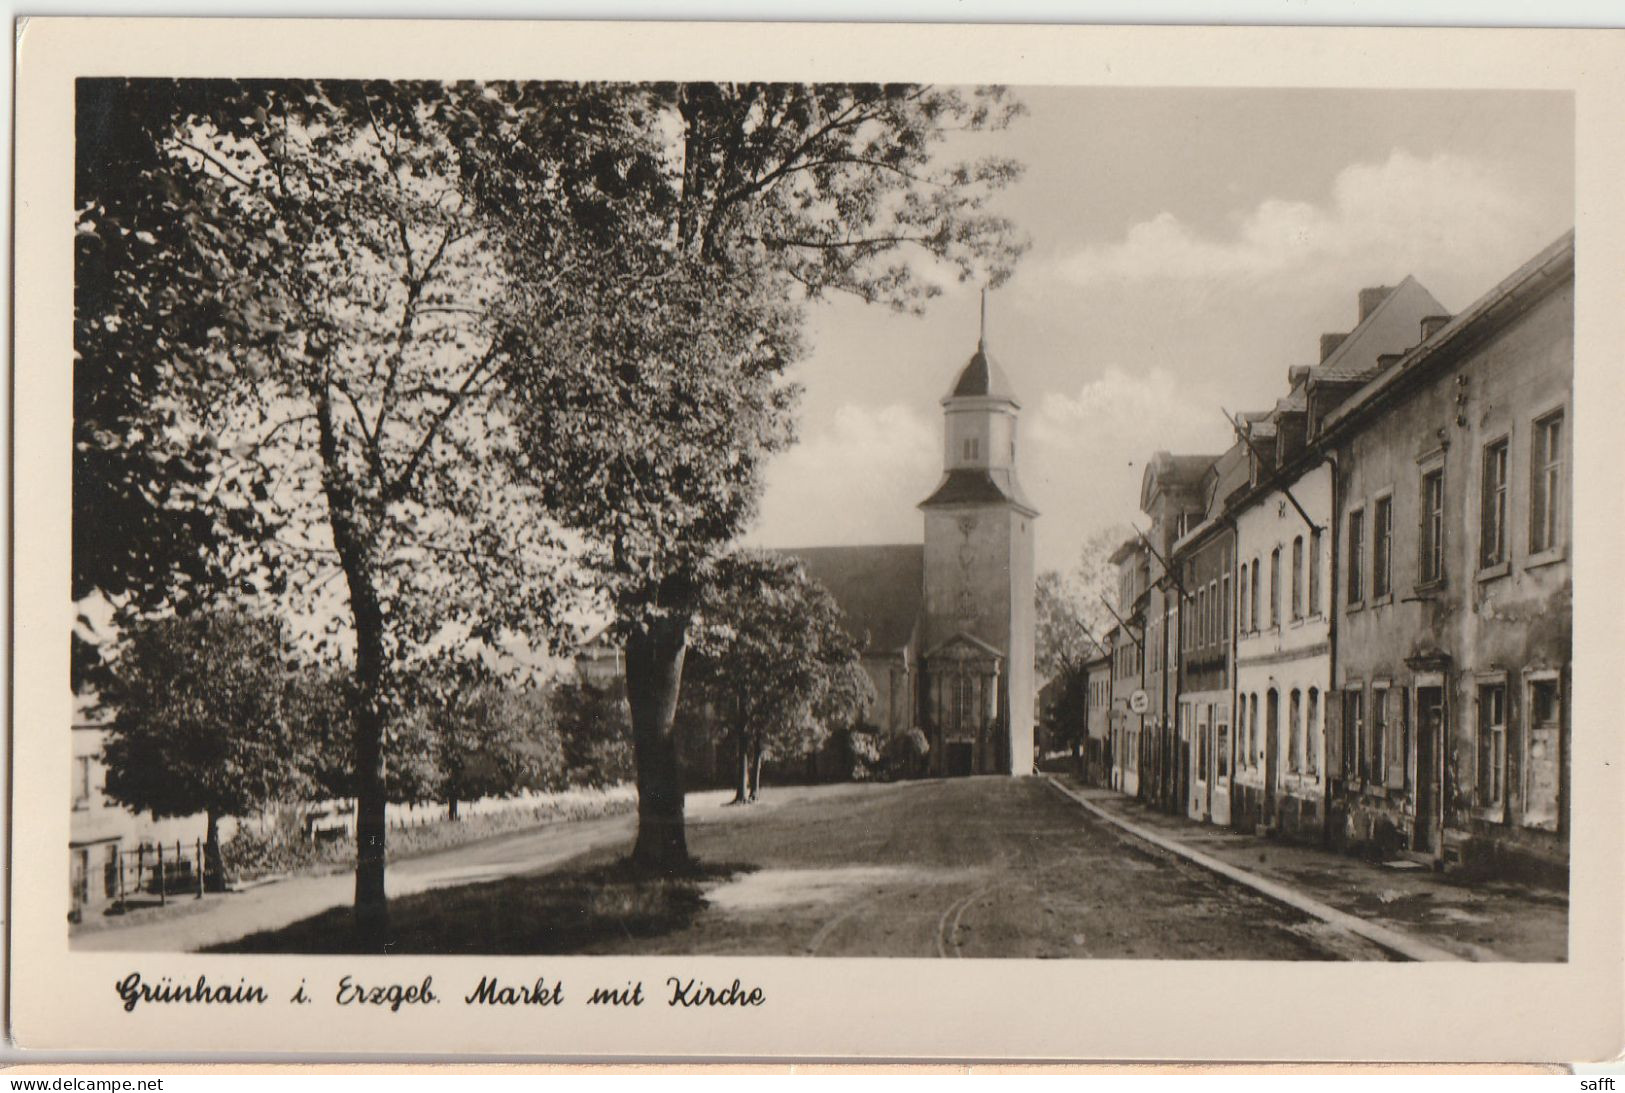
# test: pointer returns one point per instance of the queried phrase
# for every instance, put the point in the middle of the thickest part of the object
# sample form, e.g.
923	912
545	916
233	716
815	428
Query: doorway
961	758
1429	741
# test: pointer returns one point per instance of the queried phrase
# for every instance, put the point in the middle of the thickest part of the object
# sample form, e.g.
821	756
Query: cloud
1408	213
854	482
1088	450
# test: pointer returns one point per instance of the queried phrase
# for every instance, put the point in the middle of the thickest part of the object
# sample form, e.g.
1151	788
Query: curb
1390	940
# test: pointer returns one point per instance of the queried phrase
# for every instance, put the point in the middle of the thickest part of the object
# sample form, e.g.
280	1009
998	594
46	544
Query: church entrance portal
961	758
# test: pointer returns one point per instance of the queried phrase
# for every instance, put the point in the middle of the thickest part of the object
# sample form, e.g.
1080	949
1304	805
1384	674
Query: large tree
199	722
346	360
773	669
649	417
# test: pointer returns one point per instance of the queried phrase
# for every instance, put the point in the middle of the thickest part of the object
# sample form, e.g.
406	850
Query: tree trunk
214	862
353	537
756	770
742	786
654	670
451	809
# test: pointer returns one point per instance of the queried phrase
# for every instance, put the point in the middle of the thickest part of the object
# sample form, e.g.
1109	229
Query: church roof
879	588
982	378
978	485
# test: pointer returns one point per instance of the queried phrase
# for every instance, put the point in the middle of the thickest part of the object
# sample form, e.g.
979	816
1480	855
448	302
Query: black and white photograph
1109	524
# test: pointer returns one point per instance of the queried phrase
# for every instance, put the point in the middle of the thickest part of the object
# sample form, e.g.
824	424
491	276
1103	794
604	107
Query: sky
1188	247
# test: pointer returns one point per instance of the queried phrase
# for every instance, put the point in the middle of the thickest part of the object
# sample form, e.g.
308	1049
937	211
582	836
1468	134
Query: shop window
1492	745
1543	753
1353	734
1223	729
1377	770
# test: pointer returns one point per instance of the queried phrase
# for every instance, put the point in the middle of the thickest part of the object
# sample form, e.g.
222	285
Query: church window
972	448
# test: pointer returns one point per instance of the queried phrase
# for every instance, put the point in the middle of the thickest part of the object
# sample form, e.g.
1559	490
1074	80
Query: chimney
1432	324
1329	344
1296	375
1371	297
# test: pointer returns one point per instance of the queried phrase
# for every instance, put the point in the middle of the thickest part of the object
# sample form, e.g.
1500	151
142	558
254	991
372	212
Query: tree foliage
1072	623
596	732
199	719
773	668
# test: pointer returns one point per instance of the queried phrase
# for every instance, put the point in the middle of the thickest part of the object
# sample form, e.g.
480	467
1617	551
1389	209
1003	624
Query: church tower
976	689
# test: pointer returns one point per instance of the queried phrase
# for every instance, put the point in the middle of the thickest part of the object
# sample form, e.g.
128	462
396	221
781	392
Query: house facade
1455	592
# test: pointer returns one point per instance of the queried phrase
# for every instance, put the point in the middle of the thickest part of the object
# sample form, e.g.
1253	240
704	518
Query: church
948	624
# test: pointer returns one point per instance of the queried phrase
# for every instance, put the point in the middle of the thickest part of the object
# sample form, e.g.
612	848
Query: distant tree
773	667
1071	622
596	732
198	721
482	736
648	418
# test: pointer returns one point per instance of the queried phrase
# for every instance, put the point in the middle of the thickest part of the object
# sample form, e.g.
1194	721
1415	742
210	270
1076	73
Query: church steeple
980	414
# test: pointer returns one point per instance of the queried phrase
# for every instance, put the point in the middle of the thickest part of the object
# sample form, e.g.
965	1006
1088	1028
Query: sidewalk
1413	909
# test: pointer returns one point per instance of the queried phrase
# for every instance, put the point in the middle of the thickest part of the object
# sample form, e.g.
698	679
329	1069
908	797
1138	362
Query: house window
1492	532
1223	730
1297	577
1543	758
1432	560
1356	555
1213	610
1275	587
1242	606
1272	719
1353	733
1492	744
1294	728
1546	489
1314	572
1224	607
1379	735
1311	733
1252	732
81	782
1382	547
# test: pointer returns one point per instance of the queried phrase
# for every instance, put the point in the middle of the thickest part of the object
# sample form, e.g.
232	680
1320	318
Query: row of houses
1353	626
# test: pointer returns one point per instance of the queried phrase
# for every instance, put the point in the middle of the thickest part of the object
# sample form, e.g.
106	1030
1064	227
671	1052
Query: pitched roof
1393	326
879	588
1553	265
975	486
982	378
